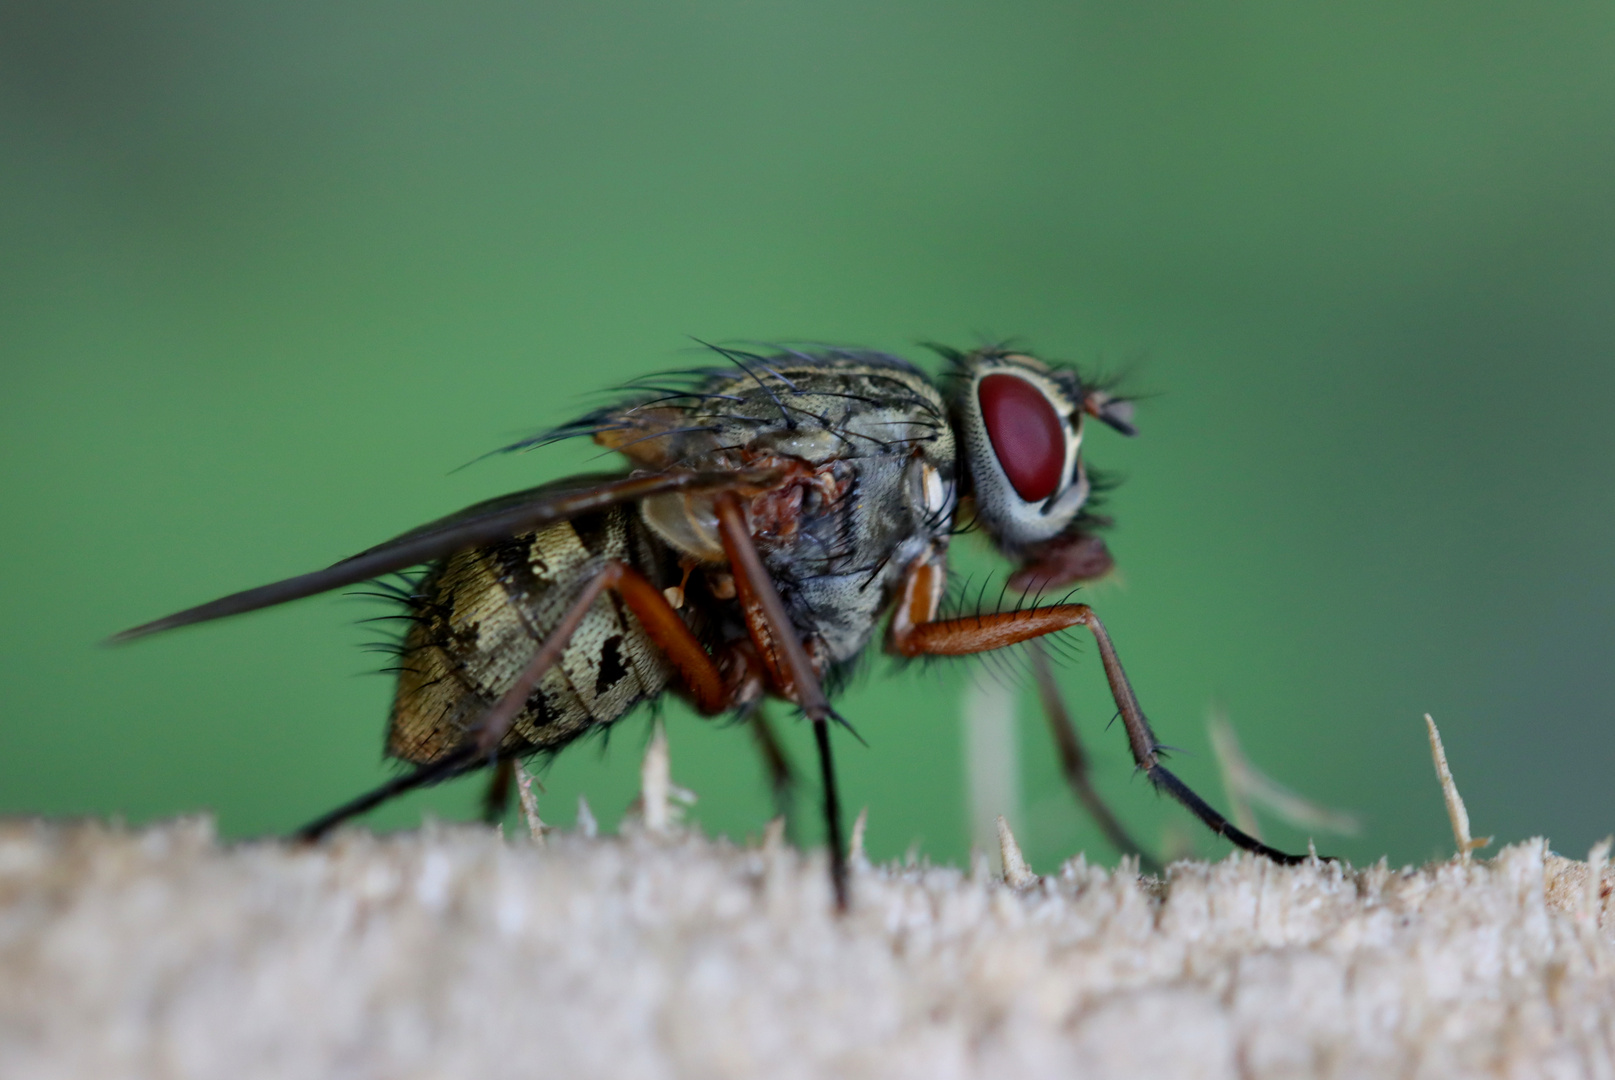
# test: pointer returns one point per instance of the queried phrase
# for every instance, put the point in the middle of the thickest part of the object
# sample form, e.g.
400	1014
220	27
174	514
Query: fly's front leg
999	630
917	632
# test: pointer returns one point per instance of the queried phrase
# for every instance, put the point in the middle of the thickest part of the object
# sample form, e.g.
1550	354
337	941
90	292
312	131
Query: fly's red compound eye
1027	435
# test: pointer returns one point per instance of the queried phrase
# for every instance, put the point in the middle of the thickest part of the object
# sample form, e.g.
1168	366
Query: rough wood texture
455	953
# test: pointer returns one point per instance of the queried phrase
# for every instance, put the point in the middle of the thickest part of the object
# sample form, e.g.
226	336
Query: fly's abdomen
482	613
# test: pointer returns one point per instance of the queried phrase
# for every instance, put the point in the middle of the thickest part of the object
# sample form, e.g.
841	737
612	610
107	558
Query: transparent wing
484	523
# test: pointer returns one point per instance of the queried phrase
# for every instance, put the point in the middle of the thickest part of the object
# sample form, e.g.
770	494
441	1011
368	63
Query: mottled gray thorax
877	435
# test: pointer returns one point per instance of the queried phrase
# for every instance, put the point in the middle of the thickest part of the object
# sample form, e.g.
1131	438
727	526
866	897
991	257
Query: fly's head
1019	426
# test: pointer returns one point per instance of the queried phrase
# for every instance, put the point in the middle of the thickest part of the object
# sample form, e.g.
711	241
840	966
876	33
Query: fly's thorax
882	493
813	407
822	417
482	613
870	476
836	407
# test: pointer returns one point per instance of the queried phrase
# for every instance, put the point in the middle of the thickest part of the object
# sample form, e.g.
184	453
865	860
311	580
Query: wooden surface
457	952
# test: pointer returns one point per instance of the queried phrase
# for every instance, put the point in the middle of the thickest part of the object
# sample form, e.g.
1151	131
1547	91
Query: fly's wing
484	523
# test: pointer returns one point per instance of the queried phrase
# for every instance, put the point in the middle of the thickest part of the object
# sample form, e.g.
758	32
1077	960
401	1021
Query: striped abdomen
481	614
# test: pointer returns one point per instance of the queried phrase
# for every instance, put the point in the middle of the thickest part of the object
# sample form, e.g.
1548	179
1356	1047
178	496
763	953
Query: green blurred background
269	272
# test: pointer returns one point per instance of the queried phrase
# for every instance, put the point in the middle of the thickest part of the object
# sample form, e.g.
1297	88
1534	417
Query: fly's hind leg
481	747
455	763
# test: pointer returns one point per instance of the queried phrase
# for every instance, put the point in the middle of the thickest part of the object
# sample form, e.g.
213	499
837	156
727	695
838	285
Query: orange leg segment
654	613
983	633
915	634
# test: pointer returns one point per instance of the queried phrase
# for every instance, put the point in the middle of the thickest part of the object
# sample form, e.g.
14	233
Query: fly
771	515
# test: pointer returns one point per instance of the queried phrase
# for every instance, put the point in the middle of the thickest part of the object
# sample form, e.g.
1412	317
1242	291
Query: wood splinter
1017	875
657	792
529	804
855	848
1455	803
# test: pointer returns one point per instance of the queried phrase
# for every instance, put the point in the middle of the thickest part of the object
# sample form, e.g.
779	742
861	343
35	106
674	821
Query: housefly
770	514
